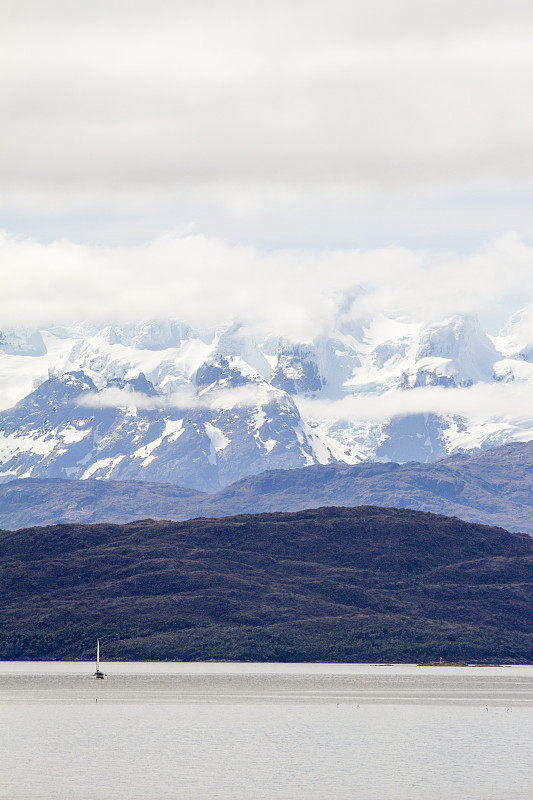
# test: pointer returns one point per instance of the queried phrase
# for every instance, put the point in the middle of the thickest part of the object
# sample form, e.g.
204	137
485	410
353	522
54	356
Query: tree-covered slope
365	584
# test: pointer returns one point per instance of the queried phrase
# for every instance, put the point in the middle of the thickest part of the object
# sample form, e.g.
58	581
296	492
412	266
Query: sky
214	157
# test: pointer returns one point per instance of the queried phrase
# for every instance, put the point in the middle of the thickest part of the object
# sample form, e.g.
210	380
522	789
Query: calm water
254	732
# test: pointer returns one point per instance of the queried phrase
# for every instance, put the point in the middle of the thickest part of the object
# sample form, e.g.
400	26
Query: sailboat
98	673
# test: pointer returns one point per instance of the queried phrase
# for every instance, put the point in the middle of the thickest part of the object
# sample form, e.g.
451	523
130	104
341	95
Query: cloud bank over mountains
485	400
301	294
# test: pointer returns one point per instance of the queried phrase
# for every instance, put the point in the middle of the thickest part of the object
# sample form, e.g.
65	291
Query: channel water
210	731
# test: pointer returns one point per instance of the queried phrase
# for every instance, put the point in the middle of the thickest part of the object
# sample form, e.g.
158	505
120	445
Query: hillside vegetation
331	584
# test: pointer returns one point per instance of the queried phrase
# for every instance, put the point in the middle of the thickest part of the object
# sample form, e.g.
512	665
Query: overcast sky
279	132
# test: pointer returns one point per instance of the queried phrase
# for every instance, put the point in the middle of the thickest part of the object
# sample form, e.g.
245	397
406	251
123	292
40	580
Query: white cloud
206	282
483	400
220	399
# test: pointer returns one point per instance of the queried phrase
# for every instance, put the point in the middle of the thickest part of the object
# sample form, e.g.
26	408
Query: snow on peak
457	349
232	341
237	411
149	335
516	337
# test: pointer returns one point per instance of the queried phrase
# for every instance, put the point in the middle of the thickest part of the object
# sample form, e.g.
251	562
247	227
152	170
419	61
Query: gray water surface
264	731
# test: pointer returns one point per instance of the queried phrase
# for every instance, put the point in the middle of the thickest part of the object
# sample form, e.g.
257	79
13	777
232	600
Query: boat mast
98	655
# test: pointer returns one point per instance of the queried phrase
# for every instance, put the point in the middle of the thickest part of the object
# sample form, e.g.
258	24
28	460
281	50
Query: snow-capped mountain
159	401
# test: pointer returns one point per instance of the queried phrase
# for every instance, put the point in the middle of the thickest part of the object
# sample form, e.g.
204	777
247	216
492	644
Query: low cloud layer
482	401
208	282
185	400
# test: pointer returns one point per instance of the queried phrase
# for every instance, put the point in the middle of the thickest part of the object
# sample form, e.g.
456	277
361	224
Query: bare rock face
21	342
297	370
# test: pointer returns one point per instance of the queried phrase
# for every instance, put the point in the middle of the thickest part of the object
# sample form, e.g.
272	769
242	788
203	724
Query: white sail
98	673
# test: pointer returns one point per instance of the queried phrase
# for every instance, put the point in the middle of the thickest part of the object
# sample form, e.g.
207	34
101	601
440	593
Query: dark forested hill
339	584
493	487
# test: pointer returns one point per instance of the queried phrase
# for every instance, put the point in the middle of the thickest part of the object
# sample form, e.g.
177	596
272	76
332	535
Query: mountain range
494	486
112	424
161	402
